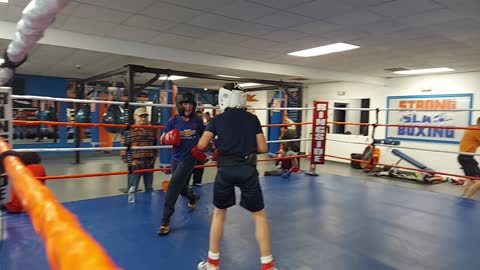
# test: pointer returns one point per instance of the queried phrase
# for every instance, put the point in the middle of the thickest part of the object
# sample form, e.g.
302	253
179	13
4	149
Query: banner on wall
429	110
319	131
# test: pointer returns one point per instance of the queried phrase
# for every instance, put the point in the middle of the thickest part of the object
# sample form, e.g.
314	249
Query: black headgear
185	98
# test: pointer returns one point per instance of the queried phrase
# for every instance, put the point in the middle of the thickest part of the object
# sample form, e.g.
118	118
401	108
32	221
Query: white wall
440	84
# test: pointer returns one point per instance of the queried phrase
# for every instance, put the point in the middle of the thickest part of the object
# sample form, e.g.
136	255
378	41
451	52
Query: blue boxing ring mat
325	222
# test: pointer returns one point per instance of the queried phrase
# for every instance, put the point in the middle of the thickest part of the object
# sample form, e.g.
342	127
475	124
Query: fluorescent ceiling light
172	78
327	49
249	84
423	71
228	76
4	1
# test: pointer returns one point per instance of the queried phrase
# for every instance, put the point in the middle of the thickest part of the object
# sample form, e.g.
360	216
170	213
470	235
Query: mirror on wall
342	114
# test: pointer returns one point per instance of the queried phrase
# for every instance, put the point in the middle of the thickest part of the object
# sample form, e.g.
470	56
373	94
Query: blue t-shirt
191	131
237	132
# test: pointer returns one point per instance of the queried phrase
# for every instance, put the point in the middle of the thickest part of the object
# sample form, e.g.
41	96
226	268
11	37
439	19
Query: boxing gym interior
373	105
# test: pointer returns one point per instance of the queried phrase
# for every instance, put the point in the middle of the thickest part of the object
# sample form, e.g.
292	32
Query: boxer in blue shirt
183	132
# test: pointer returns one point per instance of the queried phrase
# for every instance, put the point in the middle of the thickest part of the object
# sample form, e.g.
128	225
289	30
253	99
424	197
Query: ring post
6	132
319	135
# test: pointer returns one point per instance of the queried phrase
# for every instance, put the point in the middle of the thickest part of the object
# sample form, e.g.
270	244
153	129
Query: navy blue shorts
244	177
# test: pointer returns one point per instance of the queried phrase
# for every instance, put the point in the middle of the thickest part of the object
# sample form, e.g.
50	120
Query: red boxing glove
173	137
215	155
198	154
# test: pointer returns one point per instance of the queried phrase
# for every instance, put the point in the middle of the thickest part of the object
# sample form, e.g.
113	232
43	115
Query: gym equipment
114	115
83	114
417	176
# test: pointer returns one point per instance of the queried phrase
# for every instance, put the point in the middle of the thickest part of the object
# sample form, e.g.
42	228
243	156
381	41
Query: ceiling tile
343	35
258	43
283	19
431	17
170	39
170	12
363	3
123	5
316	28
91	12
243	11
148	23
465	7
213	21
190	31
280	4
404	8
383	26
354	18
60	20
50	54
123	32
224	37
86	26
251	29
20	3
459	30
14	13
286	36
321	9
204	5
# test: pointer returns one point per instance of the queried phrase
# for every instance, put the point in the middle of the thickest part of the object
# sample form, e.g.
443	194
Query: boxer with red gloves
173	137
183	132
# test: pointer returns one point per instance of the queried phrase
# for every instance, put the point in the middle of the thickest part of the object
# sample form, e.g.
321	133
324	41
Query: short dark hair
30	158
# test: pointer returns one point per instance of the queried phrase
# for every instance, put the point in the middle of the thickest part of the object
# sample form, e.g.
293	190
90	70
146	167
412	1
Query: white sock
213	256
266	259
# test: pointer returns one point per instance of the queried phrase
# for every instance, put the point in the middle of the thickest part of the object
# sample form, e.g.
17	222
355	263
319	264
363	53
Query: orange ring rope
68	246
84	175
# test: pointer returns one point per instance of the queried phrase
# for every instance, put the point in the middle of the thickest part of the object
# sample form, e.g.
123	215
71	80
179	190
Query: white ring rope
428	110
350	142
36	18
76	100
351	109
280	109
290	140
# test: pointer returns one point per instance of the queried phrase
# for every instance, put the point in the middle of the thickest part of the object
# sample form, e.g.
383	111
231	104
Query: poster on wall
432	112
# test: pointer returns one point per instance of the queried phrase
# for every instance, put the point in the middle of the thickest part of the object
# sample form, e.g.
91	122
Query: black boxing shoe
164	227
192	204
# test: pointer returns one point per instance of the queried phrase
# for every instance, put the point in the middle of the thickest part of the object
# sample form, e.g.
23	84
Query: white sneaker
206	266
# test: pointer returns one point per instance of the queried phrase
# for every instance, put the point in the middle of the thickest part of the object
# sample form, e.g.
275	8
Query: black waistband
236	160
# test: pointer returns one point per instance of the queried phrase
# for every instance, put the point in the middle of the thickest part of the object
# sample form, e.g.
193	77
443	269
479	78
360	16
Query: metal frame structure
130	70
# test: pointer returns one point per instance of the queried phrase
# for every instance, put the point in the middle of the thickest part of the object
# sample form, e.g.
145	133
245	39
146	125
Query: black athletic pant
181	171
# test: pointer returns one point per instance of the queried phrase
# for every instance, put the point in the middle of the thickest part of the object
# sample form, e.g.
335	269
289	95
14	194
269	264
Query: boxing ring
327	222
317	220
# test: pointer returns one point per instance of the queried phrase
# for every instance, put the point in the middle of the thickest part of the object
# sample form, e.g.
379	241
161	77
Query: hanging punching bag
114	115
83	114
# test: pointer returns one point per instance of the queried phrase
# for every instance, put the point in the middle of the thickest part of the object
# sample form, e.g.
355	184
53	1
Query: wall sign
319	131
429	110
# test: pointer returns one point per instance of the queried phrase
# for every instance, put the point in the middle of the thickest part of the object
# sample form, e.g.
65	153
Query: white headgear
232	96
